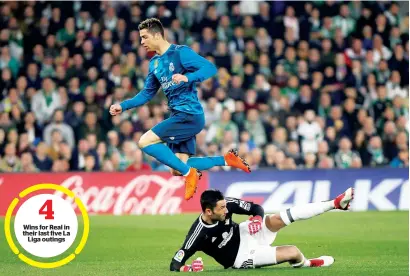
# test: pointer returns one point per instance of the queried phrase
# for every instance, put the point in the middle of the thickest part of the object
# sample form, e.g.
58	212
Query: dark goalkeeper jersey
220	240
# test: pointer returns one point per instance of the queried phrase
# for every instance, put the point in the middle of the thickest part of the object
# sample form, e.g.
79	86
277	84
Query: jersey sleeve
199	67
151	87
191	244
242	207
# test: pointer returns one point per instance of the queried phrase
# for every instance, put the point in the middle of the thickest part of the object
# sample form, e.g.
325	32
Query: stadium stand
319	84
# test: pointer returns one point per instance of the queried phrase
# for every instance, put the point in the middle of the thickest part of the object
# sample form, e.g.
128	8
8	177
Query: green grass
371	243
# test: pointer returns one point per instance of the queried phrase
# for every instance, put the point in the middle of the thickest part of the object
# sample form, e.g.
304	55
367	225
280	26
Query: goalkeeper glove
196	266
255	224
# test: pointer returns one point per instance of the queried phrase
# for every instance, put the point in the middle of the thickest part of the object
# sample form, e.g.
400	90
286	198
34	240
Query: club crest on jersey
171	67
179	256
156	63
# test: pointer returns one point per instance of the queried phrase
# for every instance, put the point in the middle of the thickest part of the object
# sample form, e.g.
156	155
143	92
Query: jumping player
248	245
176	69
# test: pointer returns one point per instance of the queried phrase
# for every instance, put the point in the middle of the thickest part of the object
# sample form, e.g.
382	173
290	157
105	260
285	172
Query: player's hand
255	224
177	78
196	266
115	109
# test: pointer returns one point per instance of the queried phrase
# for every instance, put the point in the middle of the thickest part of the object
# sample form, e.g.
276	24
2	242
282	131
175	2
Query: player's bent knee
147	139
294	252
287	253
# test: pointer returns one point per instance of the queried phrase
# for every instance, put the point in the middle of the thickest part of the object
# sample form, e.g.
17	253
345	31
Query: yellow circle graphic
13	247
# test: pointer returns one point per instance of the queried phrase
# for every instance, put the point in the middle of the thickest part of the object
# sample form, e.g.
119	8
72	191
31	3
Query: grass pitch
369	243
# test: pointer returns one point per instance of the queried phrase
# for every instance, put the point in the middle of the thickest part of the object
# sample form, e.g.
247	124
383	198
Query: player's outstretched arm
151	87
192	243
242	207
178	262
196	266
199	67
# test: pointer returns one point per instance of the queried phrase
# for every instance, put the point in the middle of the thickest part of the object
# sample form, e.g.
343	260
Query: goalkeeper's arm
191	244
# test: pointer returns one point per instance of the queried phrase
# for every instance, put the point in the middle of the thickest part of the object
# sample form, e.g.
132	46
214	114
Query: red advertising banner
111	193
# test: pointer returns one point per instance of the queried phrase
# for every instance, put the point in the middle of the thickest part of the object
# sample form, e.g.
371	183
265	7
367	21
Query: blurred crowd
300	84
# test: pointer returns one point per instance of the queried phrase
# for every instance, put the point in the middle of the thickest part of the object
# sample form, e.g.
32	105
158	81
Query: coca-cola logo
144	194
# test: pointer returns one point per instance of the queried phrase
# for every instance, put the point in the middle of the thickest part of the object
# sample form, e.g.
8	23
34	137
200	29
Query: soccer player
248	245
176	69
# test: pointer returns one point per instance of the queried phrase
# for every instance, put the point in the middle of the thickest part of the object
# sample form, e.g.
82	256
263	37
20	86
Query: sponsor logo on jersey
179	256
165	84
227	237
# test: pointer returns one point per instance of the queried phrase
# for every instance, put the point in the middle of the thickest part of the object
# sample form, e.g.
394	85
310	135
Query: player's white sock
304	263
305	211
187	172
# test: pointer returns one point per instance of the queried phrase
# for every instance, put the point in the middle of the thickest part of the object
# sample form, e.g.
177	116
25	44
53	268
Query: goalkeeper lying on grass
248	244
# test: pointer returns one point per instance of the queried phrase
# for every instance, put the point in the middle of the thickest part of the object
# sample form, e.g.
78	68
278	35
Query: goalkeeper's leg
267	256
277	221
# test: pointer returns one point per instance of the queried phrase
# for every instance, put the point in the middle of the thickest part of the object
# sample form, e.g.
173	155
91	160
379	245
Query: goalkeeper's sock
165	155
304	263
205	163
306	211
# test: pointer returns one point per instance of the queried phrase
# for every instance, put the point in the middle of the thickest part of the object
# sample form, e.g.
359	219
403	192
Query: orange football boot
234	160
191	182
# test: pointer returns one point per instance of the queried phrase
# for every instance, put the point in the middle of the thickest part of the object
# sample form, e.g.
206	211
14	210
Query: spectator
344	21
27	164
13	99
65	129
279	138
401	161
217	128
376	156
41	159
89	165
394	88
45	102
345	156
269	156
10	161
280	160
254	126
23	144
7	61
310	132
138	164
291	21
77	161
90	126
67	34
293	151
60	166
310	161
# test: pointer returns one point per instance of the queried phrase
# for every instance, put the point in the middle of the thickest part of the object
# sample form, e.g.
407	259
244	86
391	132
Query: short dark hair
210	198
153	25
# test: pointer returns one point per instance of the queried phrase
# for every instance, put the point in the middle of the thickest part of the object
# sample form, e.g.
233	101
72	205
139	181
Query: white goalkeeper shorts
255	250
